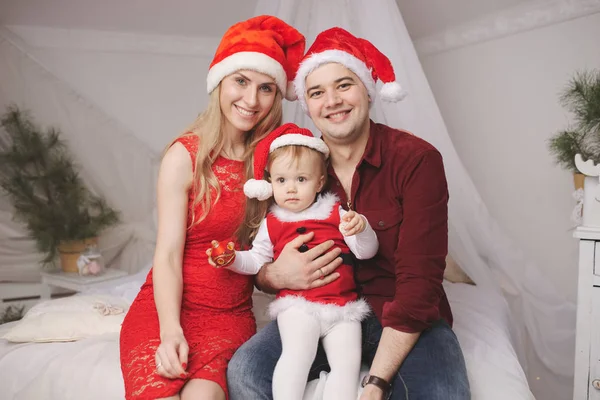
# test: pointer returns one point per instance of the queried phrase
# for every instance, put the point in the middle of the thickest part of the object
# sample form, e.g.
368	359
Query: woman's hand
172	355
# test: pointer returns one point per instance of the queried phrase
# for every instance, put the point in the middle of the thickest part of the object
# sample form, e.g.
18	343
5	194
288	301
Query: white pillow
69	319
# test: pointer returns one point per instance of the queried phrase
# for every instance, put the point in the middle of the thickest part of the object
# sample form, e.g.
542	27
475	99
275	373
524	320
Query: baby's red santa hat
263	44
358	55
285	135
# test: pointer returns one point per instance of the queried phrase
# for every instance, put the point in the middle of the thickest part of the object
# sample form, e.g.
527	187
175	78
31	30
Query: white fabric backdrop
113	162
542	319
117	165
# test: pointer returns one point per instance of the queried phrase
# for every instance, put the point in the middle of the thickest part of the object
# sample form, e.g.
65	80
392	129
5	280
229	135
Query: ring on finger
158	365
321	272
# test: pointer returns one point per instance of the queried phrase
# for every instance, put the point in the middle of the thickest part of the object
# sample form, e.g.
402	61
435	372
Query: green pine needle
582	98
39	176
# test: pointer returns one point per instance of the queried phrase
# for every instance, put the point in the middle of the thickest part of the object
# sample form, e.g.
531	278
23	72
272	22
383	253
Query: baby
295	163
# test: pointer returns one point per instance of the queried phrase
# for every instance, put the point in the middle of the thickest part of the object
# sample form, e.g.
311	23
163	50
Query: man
398	182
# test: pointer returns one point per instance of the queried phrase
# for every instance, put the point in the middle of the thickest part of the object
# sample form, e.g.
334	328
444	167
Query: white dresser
587	349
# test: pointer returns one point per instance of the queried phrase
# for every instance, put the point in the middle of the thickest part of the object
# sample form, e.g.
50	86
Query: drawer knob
596	383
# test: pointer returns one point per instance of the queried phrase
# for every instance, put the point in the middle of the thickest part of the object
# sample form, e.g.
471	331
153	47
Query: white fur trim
329	313
297	139
392	92
254	61
321	209
328	56
258	189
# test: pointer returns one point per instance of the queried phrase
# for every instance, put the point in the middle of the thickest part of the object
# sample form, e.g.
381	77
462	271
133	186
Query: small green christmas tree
40	178
582	98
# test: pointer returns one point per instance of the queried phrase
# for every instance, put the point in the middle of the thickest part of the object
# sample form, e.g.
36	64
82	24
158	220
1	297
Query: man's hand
371	392
352	223
298	270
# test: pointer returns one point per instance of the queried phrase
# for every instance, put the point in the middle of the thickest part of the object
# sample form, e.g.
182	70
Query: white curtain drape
123	169
542	321
113	163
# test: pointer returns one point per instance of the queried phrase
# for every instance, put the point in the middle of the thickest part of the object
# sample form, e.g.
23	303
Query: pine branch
40	177
565	145
582	98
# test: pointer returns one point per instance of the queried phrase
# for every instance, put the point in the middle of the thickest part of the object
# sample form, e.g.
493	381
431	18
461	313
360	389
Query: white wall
499	100
155	96
146	85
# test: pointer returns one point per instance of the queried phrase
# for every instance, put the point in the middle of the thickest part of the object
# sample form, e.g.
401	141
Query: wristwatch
382	384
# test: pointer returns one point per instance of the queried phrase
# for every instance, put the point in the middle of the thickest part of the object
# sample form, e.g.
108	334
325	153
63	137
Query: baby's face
296	182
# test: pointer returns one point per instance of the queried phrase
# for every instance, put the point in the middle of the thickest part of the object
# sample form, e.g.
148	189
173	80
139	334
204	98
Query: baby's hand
222	256
352	223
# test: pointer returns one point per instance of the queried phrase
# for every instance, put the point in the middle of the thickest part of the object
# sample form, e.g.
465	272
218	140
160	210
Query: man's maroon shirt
400	186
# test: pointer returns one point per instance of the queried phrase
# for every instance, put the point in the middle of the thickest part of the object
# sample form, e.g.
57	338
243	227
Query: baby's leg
342	343
299	338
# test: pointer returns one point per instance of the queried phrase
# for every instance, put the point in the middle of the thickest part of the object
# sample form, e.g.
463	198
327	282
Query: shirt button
301	230
303	248
338	184
381	223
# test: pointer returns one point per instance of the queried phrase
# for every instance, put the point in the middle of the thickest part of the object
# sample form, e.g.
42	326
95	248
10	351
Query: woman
189	318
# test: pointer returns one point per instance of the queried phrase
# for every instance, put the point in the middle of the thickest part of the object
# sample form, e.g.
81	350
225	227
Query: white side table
587	347
75	282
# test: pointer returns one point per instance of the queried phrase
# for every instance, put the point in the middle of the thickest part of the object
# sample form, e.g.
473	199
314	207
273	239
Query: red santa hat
264	44
358	55
285	135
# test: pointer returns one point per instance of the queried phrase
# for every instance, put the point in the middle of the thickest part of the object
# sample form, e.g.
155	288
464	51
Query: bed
89	368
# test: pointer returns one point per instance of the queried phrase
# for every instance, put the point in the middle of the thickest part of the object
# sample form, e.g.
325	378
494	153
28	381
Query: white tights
300	333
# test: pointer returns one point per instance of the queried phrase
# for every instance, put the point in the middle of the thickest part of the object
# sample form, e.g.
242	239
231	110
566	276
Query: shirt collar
372	153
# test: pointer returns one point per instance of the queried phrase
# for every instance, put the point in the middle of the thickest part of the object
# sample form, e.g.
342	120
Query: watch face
364	380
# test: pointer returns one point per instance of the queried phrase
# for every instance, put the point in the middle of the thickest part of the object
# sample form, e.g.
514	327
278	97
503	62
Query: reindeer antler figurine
588	168
591	197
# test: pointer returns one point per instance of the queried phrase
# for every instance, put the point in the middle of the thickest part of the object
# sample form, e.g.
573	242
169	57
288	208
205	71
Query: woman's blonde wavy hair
208	127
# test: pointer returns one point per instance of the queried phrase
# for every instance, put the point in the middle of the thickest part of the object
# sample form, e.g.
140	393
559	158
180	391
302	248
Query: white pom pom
258	189
290	93
392	91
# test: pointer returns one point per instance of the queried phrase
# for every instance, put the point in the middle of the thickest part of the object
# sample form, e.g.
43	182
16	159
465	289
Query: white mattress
89	369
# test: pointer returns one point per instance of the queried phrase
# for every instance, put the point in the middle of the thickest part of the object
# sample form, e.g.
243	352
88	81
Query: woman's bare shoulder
176	165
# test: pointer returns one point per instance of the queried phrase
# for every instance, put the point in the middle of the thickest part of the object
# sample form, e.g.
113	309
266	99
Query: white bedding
89	369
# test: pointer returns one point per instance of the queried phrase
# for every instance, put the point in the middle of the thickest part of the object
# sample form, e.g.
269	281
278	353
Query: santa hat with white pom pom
358	55
285	135
263	44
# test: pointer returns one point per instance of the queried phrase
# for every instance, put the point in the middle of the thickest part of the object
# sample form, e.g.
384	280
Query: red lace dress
216	314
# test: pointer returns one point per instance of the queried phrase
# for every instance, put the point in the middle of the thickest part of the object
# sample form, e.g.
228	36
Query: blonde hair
208	127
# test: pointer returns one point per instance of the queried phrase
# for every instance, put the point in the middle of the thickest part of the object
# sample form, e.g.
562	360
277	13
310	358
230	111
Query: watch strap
381	383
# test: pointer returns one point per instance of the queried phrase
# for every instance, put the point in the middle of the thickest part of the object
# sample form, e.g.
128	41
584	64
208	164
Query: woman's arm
174	182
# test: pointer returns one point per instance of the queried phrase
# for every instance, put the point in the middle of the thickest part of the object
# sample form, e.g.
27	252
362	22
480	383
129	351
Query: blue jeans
433	370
